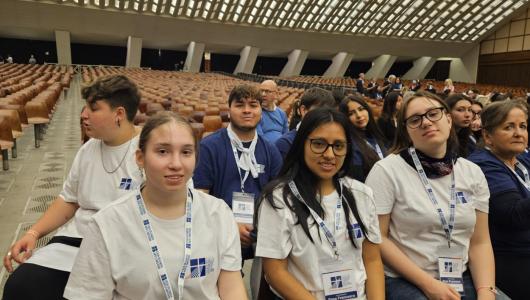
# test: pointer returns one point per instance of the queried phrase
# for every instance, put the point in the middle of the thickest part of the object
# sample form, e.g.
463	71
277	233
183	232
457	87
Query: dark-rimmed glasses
433	115
320	146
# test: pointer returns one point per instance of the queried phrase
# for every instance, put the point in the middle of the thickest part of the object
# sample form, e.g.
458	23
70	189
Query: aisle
35	177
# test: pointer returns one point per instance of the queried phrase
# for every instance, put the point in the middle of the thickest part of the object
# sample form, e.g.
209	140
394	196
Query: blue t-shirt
505	239
284	143
273	124
217	170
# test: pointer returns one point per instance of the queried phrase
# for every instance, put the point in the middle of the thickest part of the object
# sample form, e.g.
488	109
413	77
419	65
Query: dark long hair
295	169
389	106
369	156
462	133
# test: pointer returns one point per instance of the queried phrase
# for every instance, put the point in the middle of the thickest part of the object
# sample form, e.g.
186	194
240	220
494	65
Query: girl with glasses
460	108
317	229
368	143
476	123
433	210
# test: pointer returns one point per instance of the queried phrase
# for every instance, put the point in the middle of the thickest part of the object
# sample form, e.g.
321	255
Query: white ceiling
440	20
110	22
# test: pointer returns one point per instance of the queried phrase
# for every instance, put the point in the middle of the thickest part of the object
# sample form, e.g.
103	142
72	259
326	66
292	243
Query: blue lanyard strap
241	179
522	168
448	227
162	272
377	149
328	234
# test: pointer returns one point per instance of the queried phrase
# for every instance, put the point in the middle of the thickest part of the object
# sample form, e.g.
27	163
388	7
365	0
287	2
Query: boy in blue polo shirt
235	163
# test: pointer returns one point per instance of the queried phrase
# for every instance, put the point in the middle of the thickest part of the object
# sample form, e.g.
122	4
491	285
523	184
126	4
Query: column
420	68
465	68
134	52
247	60
294	65
207	62
62	42
380	66
339	64
194	57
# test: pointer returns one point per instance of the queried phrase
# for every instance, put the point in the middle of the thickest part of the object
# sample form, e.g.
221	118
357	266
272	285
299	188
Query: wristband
33	233
489	287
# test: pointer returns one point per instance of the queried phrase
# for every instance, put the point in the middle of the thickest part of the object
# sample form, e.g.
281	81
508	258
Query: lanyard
526	181
162	272
241	179
377	149
318	219
473	139
448	227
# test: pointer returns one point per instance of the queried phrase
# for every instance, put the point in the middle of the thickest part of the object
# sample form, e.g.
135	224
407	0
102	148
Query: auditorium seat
211	124
37	112
198	129
6	141
14	124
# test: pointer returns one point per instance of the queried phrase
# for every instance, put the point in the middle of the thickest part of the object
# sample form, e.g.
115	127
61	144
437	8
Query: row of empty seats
202	98
28	95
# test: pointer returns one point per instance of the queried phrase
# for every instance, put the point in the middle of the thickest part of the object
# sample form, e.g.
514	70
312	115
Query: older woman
505	136
433	210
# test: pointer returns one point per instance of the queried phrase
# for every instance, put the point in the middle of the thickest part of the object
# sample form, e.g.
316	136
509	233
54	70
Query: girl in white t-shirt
433	210
164	240
317	229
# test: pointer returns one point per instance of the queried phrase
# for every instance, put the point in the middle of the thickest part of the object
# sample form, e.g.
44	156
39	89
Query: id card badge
451	266
337	279
243	207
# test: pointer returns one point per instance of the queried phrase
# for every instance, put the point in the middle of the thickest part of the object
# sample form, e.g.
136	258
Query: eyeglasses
476	114
267	91
433	115
320	146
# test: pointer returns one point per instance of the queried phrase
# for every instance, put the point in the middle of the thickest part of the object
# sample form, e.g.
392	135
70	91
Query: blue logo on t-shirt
200	267
460	196
357	232
448	266
125	184
336	282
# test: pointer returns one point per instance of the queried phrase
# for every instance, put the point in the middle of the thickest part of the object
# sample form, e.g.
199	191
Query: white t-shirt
415	225
280	237
92	188
115	260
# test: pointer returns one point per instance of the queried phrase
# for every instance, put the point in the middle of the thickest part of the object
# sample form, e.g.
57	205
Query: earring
142	173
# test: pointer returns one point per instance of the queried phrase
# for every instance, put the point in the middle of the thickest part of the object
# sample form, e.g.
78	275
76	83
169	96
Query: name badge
337	279
243	207
261	168
451	266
